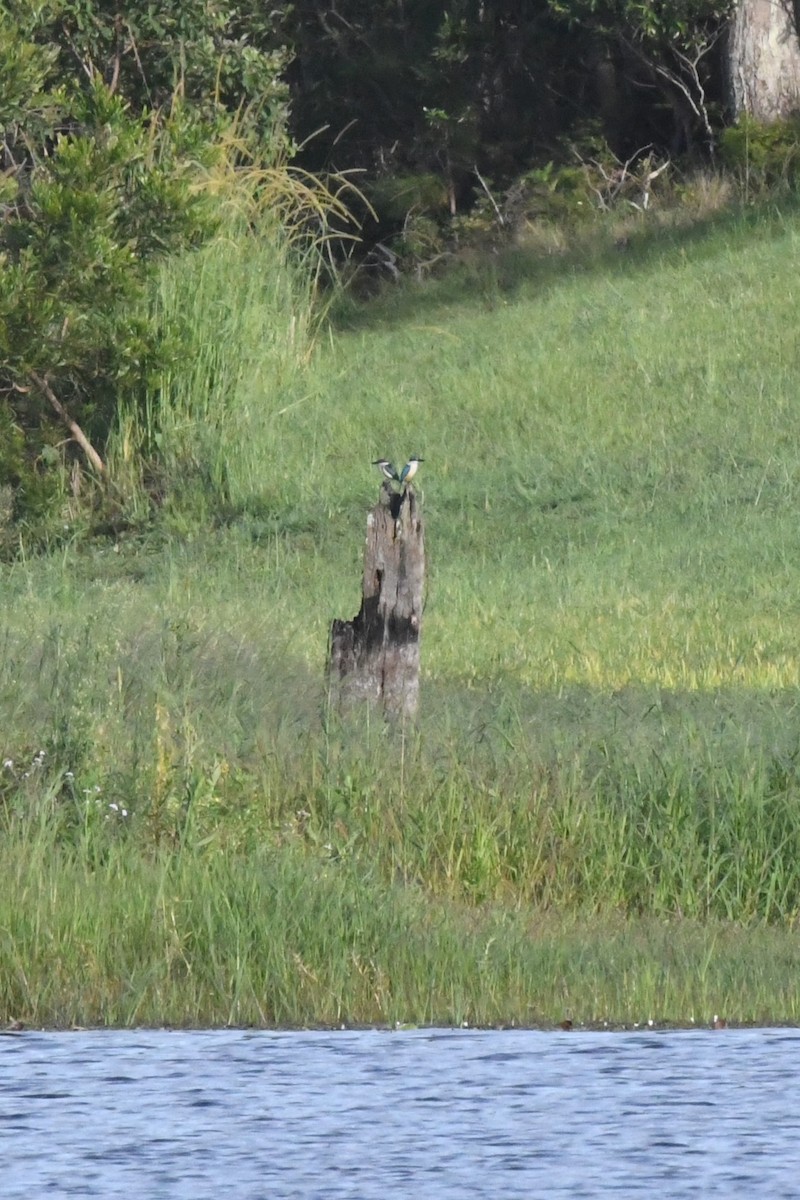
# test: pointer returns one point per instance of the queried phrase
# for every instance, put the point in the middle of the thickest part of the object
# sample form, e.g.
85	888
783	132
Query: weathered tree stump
375	656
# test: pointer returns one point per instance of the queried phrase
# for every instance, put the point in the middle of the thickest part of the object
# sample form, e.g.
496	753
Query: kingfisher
386	468
410	469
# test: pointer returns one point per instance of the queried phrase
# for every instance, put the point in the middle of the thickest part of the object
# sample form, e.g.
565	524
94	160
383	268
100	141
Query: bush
97	189
765	155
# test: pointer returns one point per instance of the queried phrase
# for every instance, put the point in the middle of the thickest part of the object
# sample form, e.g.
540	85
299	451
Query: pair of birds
406	475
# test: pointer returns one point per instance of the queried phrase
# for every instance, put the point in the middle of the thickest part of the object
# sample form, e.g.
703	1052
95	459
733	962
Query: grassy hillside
598	810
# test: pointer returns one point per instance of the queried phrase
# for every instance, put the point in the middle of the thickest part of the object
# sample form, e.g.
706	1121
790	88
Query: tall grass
171	732
240	316
196	939
242	312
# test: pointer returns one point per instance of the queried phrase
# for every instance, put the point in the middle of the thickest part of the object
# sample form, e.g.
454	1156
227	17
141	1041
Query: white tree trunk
764	60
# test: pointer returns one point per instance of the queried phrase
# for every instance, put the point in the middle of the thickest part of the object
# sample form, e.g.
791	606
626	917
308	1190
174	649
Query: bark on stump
375	656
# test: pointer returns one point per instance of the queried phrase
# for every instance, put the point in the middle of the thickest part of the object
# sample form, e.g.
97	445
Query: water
440	1114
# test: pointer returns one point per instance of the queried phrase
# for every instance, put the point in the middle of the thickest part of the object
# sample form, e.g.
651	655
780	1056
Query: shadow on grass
485	278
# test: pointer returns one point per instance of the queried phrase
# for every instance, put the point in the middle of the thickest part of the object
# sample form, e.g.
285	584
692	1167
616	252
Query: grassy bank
189	940
598	811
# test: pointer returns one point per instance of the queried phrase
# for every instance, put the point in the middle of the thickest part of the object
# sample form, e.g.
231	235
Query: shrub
765	155
97	188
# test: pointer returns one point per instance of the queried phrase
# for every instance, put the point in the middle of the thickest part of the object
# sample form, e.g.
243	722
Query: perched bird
386	468
410	469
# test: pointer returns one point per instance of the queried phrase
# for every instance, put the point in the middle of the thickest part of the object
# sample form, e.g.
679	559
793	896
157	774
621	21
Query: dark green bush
766	155
100	182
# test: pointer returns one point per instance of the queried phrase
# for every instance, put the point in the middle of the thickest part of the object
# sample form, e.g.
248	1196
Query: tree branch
483	184
73	426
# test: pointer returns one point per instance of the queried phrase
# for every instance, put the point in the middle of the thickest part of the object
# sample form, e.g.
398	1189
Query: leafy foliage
766	155
448	87
211	55
106	140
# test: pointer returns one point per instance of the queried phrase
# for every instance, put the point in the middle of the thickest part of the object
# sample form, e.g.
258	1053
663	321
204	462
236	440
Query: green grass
598	811
179	941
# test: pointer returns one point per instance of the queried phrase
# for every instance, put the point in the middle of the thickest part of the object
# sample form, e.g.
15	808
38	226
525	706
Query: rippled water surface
420	1113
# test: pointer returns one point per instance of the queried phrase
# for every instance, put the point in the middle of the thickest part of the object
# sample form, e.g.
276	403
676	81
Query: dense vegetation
134	137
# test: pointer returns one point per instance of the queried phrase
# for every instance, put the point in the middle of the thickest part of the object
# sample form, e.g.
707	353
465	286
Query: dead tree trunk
375	656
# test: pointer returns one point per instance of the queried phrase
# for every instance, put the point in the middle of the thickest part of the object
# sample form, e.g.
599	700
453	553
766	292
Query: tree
763	60
664	49
429	85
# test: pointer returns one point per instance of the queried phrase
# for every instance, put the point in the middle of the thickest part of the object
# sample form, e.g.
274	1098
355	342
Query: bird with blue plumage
410	469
